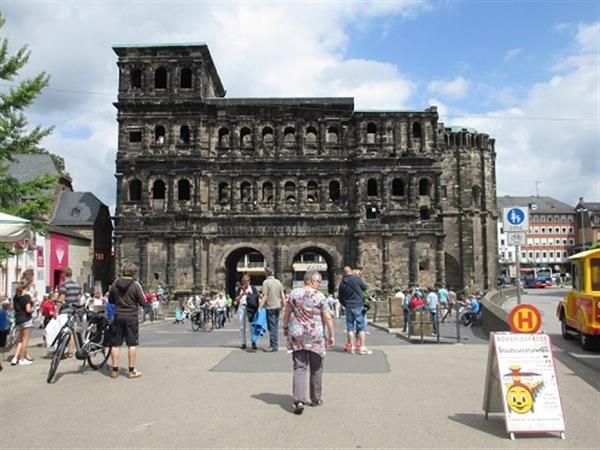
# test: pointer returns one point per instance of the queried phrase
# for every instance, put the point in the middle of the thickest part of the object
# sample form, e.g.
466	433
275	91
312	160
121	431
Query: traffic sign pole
518	256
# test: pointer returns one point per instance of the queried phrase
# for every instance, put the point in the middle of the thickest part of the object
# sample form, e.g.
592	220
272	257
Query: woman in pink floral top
304	318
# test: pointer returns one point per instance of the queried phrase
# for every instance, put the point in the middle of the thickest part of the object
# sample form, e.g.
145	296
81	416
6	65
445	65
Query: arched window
160	78
424	186
159	135
334	191
136	79
224	137
311	136
371	132
416	130
184	135
372	187
312	192
158	190
246	137
398	187
223	192
289	136
476	192
267	192
246	192
332	135
186	78
424	213
289	192
135	190
267	135
183	190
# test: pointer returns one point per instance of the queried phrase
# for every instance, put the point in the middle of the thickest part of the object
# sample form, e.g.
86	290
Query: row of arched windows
417	132
398	188
159	190
161	78
267	135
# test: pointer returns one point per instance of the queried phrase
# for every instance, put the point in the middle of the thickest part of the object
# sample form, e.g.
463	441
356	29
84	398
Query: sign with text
525	318
521	373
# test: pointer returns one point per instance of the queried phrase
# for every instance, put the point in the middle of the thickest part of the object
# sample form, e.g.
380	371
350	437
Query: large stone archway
453	272
330	266
243	259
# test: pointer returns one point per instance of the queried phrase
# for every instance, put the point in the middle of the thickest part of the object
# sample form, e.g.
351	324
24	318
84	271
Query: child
48	312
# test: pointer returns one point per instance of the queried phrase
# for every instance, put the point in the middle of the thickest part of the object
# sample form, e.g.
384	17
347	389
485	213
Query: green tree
30	200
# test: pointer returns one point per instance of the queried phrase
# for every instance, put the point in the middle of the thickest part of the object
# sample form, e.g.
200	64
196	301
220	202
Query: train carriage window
595	274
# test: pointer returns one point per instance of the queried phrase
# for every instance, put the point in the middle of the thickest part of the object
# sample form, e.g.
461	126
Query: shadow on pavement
284	401
494	425
586	373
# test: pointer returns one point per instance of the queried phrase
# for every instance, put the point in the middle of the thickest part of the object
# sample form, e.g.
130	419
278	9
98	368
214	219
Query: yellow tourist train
579	310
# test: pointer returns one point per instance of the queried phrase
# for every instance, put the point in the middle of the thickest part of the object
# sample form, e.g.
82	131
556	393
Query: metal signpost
515	221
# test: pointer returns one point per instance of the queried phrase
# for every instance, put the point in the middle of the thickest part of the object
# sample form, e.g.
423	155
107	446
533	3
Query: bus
535	277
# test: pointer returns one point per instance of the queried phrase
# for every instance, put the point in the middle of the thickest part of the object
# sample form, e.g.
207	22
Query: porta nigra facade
209	186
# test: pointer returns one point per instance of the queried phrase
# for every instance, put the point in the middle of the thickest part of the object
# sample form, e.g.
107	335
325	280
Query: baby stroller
179	317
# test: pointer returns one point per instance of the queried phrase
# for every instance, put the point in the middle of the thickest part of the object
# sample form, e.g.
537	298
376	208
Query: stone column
210	268
120	198
170	193
412	189
438	191
196	192
118	254
413	272
278	260
143	259
440	261
385	264
197	262
170	272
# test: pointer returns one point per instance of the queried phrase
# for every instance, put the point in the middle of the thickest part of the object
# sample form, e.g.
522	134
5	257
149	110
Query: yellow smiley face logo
519	399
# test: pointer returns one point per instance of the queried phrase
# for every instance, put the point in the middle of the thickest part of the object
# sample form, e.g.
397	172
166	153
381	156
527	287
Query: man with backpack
127	295
351	291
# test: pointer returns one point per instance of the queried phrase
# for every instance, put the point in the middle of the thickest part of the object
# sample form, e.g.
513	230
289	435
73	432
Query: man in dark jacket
127	295
351	291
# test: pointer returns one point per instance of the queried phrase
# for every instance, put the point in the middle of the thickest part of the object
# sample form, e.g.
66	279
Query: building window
424	213
184	135
223	137
424	187
267	192
135	137
158	190
551	255
311	136
530	255
523	255
557	230
135	190
570	230
186	78
571	241
267	135
416	130
136	79
312	192
332	135
536	230
159	135
371	132
398	187
289	136
543	230
509	255
372	187
289	192
75	212
334	191
183	190
544	255
160	78
550	218
223	192
537	255
246	192
246	137
564	230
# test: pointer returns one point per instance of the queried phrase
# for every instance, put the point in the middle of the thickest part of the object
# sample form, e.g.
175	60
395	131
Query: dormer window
75	212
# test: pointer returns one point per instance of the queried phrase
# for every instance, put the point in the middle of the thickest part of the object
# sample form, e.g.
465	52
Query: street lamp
581	210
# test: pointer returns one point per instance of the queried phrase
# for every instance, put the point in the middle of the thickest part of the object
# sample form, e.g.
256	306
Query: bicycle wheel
96	349
63	341
196	322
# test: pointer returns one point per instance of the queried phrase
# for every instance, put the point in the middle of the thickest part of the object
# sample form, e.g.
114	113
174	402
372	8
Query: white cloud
260	50
512	53
455	89
553	133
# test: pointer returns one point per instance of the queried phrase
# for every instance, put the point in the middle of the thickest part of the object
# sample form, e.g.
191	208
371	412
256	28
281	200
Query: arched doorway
313	258
453	275
244	260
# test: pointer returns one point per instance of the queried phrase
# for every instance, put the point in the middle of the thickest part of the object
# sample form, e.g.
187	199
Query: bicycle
92	347
201	319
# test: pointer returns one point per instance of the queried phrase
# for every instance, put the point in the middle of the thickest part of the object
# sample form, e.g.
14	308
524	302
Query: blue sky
527	73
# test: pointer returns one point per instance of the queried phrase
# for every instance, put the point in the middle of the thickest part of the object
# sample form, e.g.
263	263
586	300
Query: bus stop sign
525	319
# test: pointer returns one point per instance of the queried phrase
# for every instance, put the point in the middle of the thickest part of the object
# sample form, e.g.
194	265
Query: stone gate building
208	186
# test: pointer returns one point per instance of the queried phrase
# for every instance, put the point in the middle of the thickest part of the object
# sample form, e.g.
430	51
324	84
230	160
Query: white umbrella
13	229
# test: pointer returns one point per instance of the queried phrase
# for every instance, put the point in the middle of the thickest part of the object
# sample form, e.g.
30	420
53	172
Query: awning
584	254
13	229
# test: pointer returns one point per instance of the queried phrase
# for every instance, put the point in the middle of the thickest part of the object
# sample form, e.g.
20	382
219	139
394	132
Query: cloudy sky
526	72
